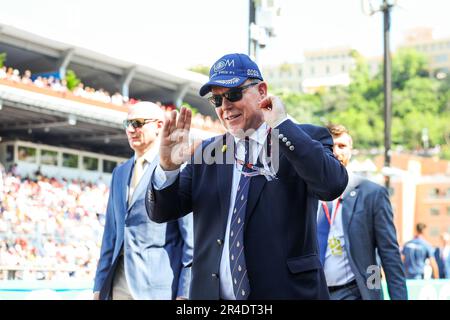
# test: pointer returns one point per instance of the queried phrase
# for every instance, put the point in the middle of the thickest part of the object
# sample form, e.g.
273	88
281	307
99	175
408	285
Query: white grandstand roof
161	83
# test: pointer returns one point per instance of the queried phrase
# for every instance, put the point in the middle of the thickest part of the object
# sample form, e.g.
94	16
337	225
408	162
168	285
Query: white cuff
162	179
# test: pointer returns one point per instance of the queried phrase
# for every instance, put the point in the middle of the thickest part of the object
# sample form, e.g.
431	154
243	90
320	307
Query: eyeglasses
233	95
137	123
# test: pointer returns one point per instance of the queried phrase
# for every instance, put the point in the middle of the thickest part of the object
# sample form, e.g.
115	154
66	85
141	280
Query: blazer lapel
224	175
348	204
349	200
124	181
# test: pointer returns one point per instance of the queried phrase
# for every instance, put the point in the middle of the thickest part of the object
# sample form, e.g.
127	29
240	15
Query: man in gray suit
141	259
353	231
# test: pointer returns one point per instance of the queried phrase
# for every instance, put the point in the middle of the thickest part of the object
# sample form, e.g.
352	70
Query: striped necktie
241	284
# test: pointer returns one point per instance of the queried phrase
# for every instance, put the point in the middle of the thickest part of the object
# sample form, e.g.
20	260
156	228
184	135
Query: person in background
354	230
442	256
141	259
414	254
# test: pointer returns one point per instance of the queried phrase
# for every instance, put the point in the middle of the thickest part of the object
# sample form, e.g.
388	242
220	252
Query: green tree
407	64
418	103
2	59
302	107
72	80
188	106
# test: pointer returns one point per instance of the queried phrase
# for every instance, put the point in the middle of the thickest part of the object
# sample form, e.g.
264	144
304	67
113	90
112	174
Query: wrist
172	167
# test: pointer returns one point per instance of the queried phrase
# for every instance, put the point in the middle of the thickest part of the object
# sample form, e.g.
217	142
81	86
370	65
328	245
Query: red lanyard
327	213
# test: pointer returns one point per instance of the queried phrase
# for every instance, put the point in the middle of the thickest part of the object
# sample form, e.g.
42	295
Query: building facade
437	51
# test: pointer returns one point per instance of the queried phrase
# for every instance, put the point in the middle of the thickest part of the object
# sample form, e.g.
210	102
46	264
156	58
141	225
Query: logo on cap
253	73
222	64
230	81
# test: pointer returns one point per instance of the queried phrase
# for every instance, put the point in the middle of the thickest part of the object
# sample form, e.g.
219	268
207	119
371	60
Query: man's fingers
266	103
166	127
181	118
187	123
173	121
188	119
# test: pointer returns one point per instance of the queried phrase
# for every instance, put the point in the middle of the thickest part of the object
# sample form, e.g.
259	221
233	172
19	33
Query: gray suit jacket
157	257
369	230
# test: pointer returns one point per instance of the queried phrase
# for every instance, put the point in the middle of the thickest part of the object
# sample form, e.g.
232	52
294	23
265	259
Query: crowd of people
50	228
101	95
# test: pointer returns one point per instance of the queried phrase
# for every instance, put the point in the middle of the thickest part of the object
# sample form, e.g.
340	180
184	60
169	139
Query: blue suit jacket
368	230
280	226
157	257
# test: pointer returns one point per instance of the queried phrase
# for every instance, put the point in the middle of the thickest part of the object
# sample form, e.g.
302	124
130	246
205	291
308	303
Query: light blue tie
241	284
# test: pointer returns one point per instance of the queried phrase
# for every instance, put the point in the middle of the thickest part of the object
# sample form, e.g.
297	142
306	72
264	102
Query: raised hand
273	110
174	148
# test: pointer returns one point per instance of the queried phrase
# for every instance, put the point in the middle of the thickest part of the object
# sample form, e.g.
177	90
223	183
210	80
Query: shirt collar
150	155
259	135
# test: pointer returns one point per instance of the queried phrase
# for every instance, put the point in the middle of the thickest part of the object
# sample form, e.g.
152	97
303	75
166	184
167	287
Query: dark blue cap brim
222	81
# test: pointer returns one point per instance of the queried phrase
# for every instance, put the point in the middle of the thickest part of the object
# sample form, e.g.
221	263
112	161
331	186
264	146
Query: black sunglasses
232	95
136	123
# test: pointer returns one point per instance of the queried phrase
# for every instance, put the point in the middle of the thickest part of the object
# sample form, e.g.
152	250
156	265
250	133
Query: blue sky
179	34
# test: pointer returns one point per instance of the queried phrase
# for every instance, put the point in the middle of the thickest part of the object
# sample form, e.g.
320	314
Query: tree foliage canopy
420	104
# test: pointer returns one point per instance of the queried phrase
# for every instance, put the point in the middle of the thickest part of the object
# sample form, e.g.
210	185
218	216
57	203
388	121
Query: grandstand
58	148
52	115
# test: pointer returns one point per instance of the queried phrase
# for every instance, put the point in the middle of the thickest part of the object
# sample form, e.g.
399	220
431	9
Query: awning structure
28	51
39	115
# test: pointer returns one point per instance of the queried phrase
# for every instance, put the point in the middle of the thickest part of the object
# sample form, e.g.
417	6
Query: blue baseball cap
231	71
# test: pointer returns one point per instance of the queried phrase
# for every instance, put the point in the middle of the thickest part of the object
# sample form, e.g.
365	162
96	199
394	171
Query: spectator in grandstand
414	254
26	78
2	172
352	230
3	72
79	90
117	99
277	256
40	82
442	256
141	259
15	76
13	169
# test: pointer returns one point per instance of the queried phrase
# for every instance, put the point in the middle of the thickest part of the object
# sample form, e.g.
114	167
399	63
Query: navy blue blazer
369	230
280	239
157	257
